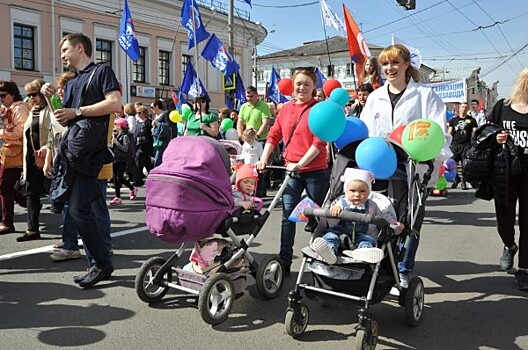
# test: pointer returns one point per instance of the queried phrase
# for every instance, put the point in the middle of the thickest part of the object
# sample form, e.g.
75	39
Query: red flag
359	51
174	97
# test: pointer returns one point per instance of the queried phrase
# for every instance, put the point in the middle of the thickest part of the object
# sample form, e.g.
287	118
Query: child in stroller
363	237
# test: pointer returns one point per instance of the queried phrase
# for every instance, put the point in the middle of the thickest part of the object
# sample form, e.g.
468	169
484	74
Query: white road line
50	247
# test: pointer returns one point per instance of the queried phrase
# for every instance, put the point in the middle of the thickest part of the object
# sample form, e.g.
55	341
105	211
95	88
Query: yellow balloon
175	116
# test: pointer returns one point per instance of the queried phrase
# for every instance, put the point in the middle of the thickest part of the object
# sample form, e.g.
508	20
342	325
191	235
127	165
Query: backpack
189	195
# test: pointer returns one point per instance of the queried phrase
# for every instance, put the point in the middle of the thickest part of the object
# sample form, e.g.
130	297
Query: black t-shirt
517	125
462	129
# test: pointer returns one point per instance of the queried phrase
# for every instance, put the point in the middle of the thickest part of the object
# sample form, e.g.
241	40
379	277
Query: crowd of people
63	150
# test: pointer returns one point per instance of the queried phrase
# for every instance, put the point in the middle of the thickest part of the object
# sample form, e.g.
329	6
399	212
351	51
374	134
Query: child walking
121	148
357	198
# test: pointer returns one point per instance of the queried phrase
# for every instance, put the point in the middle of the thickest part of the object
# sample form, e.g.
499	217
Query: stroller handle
348	216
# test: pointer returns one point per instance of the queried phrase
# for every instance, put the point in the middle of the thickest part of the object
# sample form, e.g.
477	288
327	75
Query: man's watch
78	112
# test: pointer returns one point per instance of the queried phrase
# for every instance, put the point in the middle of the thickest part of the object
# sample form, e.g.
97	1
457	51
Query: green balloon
227	124
186	114
423	139
441	184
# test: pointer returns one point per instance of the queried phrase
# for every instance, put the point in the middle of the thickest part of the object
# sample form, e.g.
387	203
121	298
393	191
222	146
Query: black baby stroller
188	200
351	283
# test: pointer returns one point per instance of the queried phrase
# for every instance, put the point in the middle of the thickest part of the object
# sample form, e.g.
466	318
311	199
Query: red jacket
302	137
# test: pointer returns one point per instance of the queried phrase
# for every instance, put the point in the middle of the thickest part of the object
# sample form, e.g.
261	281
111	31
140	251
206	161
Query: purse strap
295	126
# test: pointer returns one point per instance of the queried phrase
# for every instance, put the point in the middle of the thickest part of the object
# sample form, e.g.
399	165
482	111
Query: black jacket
491	164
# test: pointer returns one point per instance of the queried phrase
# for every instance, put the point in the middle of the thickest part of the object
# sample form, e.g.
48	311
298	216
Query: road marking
50	247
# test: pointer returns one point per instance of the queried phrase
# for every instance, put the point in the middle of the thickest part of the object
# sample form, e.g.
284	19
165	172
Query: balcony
223	8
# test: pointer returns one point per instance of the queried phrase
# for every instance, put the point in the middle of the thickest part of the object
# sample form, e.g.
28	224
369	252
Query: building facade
33	29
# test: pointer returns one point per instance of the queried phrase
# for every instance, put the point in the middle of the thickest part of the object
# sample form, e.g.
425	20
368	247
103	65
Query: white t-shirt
251	153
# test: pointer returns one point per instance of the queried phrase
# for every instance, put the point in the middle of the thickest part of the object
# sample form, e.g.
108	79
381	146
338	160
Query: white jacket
417	102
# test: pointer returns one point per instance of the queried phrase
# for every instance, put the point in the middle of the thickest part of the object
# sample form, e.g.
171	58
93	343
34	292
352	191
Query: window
349	69
164	67
24	45
260	75
185	59
103	51
138	67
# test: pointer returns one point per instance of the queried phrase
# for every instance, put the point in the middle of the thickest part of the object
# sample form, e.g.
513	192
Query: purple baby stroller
189	199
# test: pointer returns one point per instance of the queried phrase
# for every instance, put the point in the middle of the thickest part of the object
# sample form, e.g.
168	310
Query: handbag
11	154
39	160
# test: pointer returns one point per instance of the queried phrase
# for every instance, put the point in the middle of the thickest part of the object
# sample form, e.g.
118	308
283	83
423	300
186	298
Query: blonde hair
249	134
35	85
519	92
63	79
129	109
390	53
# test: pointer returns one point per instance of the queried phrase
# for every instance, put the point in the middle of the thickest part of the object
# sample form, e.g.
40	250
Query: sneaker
455	183
65	254
322	248
522	279
115	201
133	193
506	260
464	186
368	255
404	280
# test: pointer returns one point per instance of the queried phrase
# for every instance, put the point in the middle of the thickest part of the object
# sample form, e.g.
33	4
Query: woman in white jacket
400	101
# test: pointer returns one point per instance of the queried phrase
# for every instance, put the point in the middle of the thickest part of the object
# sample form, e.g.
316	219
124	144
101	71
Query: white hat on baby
357	174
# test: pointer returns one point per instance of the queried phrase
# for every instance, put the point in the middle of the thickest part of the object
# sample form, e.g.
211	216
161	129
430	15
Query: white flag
331	19
416	58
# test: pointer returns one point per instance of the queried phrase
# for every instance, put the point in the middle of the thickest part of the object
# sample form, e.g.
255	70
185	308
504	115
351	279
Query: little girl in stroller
189	199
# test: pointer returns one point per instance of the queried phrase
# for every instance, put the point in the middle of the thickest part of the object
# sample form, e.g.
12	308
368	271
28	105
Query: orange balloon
286	86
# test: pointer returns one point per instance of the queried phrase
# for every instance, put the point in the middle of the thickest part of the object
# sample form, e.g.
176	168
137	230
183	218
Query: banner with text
451	91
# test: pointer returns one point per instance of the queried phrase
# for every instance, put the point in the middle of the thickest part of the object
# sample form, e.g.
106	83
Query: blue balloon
340	96
449	114
377	155
450	175
355	130
327	120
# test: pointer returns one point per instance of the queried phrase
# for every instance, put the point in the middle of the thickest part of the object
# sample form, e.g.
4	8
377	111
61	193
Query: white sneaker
65	254
404	280
322	248
368	255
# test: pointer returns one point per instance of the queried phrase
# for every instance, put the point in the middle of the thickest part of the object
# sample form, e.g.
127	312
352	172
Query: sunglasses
33	94
3	94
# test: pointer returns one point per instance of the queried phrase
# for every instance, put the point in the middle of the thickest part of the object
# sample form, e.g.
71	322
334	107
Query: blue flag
215	52
272	92
240	90
192	20
127	35
249	2
192	85
320	78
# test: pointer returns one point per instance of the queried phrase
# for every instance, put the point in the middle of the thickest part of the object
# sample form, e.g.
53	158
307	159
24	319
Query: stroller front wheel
367	340
270	276
297	321
216	298
147	289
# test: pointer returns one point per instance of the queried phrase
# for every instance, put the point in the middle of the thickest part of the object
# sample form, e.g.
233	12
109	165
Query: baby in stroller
246	180
363	236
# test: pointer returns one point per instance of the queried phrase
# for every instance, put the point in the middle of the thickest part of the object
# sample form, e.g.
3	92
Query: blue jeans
82	217
102	217
333	240
316	184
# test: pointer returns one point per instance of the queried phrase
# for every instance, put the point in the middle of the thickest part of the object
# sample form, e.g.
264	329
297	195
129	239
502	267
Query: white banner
451	91
416	57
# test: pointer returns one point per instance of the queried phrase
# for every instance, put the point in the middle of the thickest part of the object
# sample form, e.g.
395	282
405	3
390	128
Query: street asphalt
470	302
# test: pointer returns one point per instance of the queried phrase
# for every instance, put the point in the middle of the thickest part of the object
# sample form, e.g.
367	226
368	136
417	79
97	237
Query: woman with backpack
121	148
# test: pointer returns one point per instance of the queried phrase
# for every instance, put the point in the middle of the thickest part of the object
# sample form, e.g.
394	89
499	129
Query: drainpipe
53	43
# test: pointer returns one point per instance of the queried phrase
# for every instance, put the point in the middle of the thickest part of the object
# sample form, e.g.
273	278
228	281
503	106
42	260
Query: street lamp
444	66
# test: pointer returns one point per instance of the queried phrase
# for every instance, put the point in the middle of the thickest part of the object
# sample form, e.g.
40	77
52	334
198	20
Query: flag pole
196	60
331	70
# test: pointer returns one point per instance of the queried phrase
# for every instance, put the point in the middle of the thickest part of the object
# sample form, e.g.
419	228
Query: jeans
84	191
34	181
333	239
316	184
102	217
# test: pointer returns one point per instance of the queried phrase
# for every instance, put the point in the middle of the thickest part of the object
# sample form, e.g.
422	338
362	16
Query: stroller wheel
146	289
414	301
367	340
296	323
270	276
216	298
